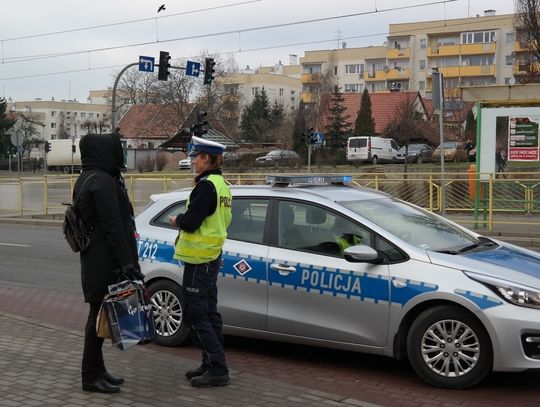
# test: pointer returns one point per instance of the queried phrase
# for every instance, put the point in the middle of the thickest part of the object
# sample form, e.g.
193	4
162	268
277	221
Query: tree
470	126
364	125
527	27
256	118
339	127
5	125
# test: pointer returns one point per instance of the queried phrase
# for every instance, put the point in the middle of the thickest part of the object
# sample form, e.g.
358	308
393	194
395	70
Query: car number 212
148	249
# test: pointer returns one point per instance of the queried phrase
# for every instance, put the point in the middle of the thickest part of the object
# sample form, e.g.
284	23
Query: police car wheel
449	348
168	307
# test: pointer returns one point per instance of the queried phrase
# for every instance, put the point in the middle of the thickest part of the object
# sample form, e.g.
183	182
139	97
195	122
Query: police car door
313	291
242	284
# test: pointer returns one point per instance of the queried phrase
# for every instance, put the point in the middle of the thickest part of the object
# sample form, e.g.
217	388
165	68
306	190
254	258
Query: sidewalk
40	366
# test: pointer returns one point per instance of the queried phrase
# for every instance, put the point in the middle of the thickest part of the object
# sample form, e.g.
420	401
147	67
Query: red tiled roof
383	107
153	121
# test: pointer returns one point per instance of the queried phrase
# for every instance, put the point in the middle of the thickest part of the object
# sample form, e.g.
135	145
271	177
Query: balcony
375	76
522	68
231	98
308	97
398	73
462	49
311	77
396	53
462	71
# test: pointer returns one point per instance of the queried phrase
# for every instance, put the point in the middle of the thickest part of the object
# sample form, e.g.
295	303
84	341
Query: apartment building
281	83
60	119
474	51
346	68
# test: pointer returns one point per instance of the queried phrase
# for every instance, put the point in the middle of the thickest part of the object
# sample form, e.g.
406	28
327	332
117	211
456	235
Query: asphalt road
39	279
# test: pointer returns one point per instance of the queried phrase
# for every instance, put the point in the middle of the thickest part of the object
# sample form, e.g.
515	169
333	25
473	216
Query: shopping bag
129	314
102	324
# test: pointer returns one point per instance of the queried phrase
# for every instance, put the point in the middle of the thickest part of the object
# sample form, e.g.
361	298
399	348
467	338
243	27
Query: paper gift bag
102	324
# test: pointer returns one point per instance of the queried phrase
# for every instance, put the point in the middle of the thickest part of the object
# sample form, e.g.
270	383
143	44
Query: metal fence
512	199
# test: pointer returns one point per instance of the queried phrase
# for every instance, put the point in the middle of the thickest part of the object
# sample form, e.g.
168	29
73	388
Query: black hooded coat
104	206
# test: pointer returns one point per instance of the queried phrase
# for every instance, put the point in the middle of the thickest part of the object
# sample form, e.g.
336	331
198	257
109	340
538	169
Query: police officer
203	230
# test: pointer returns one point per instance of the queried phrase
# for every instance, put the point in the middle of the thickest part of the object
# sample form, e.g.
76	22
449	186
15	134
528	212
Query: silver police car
313	260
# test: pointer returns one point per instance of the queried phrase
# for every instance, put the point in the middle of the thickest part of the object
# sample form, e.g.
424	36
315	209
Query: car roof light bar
284	180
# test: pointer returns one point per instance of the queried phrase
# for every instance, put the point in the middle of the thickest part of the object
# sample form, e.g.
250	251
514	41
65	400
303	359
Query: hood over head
102	151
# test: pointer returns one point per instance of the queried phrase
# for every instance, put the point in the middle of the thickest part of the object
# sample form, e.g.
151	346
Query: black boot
100	386
190	374
209	380
112	379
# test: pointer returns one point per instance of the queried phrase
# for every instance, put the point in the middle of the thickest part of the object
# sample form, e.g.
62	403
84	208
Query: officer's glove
131	272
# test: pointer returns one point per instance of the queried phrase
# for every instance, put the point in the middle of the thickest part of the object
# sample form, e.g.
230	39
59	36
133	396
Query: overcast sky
231	23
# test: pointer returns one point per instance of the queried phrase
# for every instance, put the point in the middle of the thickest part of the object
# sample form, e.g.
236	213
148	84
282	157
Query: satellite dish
512	81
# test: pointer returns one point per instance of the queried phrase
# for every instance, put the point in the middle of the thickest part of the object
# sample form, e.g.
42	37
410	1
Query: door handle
399	283
283	269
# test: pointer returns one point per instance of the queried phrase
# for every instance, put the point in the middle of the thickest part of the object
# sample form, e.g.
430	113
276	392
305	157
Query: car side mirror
363	254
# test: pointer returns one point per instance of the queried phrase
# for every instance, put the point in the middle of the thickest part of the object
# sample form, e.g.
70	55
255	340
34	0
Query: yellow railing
513	199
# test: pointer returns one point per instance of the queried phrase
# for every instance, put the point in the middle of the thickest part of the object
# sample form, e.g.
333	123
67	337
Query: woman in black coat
105	208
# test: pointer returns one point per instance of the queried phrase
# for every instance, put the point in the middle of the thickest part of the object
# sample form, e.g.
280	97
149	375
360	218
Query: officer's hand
132	272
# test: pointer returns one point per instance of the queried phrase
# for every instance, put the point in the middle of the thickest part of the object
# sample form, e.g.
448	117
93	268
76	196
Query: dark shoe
190	374
112	379
100	386
209	380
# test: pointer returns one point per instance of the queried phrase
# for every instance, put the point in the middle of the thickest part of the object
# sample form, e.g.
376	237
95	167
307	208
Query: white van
372	149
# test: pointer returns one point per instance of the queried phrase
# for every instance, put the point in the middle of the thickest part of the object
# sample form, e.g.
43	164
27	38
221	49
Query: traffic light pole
115	86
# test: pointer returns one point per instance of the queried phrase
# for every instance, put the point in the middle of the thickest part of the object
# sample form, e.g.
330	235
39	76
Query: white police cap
202	145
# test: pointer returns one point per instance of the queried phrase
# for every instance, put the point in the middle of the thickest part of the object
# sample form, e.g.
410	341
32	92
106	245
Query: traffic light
200	128
163	71
308	134
47	147
73	149
209	70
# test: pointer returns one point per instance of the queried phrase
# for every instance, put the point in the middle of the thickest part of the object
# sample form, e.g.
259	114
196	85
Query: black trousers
200	290
92	362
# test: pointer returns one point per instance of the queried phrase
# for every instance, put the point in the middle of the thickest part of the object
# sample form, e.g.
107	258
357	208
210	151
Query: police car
313	260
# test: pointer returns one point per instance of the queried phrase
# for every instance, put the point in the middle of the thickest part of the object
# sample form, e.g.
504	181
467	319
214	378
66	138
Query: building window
509	38
53	125
478	37
509	60
507	81
90	115
68	113
352	69
423	43
281	92
83	114
254	91
421	85
335	70
292	92
352	87
422	64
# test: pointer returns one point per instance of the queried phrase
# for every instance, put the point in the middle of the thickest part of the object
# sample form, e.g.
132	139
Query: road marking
15	244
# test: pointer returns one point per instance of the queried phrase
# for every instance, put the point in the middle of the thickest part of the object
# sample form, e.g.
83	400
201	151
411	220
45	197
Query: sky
101	37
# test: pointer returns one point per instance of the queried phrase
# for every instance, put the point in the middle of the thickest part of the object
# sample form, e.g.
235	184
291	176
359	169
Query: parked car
372	149
231	156
285	157
416	153
453	151
412	285
185	164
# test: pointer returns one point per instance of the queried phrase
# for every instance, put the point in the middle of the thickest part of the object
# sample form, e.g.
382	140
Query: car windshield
417	227
415	147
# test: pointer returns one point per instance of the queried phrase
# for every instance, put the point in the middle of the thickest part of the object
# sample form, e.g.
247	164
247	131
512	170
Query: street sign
193	68
146	64
318	138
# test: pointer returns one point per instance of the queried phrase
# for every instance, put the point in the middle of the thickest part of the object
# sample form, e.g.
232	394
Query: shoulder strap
82	187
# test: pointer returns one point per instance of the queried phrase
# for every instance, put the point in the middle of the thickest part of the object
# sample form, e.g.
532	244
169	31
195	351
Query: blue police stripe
307	278
481	300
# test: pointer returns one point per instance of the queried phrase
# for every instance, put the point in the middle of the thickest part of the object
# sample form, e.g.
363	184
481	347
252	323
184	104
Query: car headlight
513	293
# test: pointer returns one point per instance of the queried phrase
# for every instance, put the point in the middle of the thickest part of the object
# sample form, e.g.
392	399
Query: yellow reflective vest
205	243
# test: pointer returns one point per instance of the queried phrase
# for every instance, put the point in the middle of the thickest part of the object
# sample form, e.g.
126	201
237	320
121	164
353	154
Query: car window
413	225
162	219
248	219
315	229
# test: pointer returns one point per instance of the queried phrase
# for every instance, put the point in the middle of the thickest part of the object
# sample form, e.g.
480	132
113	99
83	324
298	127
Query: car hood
507	262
